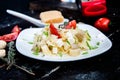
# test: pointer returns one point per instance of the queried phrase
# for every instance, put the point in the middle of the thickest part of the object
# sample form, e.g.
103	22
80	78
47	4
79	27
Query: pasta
72	42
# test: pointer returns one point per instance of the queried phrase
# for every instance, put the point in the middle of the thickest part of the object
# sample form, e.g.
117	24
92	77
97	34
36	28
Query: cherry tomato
16	29
54	31
102	24
71	24
9	37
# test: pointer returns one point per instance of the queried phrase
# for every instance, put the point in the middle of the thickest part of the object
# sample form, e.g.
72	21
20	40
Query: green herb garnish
36	52
47	25
68	42
43	55
90	46
88	36
94	47
60	54
85	53
30	42
65	23
98	43
45	33
10	59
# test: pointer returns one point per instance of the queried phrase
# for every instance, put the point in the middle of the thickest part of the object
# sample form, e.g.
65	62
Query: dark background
103	67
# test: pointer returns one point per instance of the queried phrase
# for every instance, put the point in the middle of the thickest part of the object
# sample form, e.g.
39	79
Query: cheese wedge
52	16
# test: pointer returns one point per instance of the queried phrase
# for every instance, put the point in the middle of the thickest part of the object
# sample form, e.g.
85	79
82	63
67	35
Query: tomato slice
9	37
54	31
71	24
102	24
16	29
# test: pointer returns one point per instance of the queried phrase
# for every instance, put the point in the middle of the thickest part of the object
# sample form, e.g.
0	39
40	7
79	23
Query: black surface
102	67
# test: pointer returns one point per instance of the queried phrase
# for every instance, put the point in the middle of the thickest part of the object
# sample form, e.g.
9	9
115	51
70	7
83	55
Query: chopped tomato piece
54	31
16	29
9	37
71	24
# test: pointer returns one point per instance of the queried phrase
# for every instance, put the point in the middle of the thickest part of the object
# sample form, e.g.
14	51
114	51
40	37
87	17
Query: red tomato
54	31
16	29
9	37
102	24
71	24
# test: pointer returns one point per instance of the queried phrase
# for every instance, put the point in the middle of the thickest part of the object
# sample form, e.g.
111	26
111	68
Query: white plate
26	36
